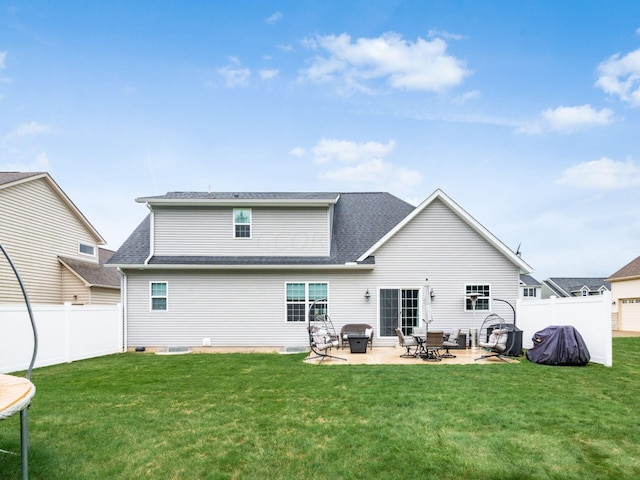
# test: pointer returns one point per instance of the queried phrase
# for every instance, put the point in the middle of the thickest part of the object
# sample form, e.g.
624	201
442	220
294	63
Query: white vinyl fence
590	316
65	333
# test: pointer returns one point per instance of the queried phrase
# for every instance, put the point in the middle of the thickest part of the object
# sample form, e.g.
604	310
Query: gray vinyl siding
104	296
439	246
247	308
209	232
74	290
36	227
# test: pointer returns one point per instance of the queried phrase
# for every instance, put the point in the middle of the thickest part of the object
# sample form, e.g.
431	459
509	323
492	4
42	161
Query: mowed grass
269	416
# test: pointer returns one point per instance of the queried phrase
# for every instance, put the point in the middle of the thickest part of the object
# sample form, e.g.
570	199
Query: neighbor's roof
567	286
529	281
630	270
10	179
94	274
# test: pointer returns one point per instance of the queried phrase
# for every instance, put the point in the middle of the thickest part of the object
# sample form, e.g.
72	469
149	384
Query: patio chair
433	344
322	334
497	341
451	342
409	343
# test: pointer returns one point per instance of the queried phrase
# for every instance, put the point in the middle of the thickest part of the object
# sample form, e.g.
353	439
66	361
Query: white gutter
346	266
151	234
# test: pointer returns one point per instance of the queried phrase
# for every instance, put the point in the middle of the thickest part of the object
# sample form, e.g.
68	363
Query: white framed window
482	295
529	292
242	223
299	296
159	296
87	249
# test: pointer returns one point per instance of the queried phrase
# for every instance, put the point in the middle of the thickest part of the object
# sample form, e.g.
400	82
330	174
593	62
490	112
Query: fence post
67	331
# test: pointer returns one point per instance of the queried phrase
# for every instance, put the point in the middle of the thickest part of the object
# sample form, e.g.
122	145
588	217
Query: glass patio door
399	308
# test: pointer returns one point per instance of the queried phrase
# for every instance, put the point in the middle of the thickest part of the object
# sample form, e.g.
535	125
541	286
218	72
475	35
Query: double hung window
481	293
159	296
242	223
300	296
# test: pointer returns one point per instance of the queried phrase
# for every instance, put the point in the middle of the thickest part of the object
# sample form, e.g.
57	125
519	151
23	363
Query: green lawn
269	416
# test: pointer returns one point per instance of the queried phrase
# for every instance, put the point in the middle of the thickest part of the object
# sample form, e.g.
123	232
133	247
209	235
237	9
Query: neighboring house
625	291
54	247
574	287
530	288
242	269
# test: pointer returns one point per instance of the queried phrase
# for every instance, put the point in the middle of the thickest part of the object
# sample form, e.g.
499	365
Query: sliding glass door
399	308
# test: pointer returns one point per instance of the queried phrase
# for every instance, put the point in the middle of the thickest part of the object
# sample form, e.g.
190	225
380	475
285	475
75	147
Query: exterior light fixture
367	295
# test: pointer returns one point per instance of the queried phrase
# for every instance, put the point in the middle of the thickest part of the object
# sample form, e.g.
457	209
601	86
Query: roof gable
464	216
94	274
12	179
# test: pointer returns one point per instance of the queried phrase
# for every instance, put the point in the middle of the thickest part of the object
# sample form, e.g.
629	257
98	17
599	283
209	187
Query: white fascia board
468	219
235	202
357	266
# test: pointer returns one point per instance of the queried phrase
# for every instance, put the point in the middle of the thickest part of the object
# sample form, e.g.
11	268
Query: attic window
86	249
242	222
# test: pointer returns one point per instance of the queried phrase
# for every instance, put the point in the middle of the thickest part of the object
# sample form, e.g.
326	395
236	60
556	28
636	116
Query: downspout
124	310
151	234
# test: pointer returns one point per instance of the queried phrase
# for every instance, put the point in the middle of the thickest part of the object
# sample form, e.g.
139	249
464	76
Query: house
574	287
530	288
625	291
242	269
54	247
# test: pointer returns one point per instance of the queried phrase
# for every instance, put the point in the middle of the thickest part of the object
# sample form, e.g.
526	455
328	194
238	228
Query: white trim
238	202
125	310
468	219
337	267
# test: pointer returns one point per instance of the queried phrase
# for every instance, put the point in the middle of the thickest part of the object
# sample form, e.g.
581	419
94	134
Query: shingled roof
630	270
10	177
94	275
359	221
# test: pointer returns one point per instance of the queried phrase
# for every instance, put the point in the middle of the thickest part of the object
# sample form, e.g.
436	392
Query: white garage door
630	314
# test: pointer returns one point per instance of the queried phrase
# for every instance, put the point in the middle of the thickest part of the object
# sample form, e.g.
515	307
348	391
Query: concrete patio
391	356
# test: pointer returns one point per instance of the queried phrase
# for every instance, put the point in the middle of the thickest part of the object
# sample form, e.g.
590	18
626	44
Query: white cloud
32	128
603	174
235	76
3	55
297	151
286	48
375	171
465	97
329	149
420	65
273	19
39	164
443	34
620	76
567	120
268	74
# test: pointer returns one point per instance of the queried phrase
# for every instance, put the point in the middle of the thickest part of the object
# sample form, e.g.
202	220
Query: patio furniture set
431	345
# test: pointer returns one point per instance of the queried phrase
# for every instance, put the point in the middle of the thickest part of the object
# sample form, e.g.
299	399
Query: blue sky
526	113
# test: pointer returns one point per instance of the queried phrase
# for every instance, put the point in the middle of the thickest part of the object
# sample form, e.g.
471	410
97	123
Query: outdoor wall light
367	295
432	294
